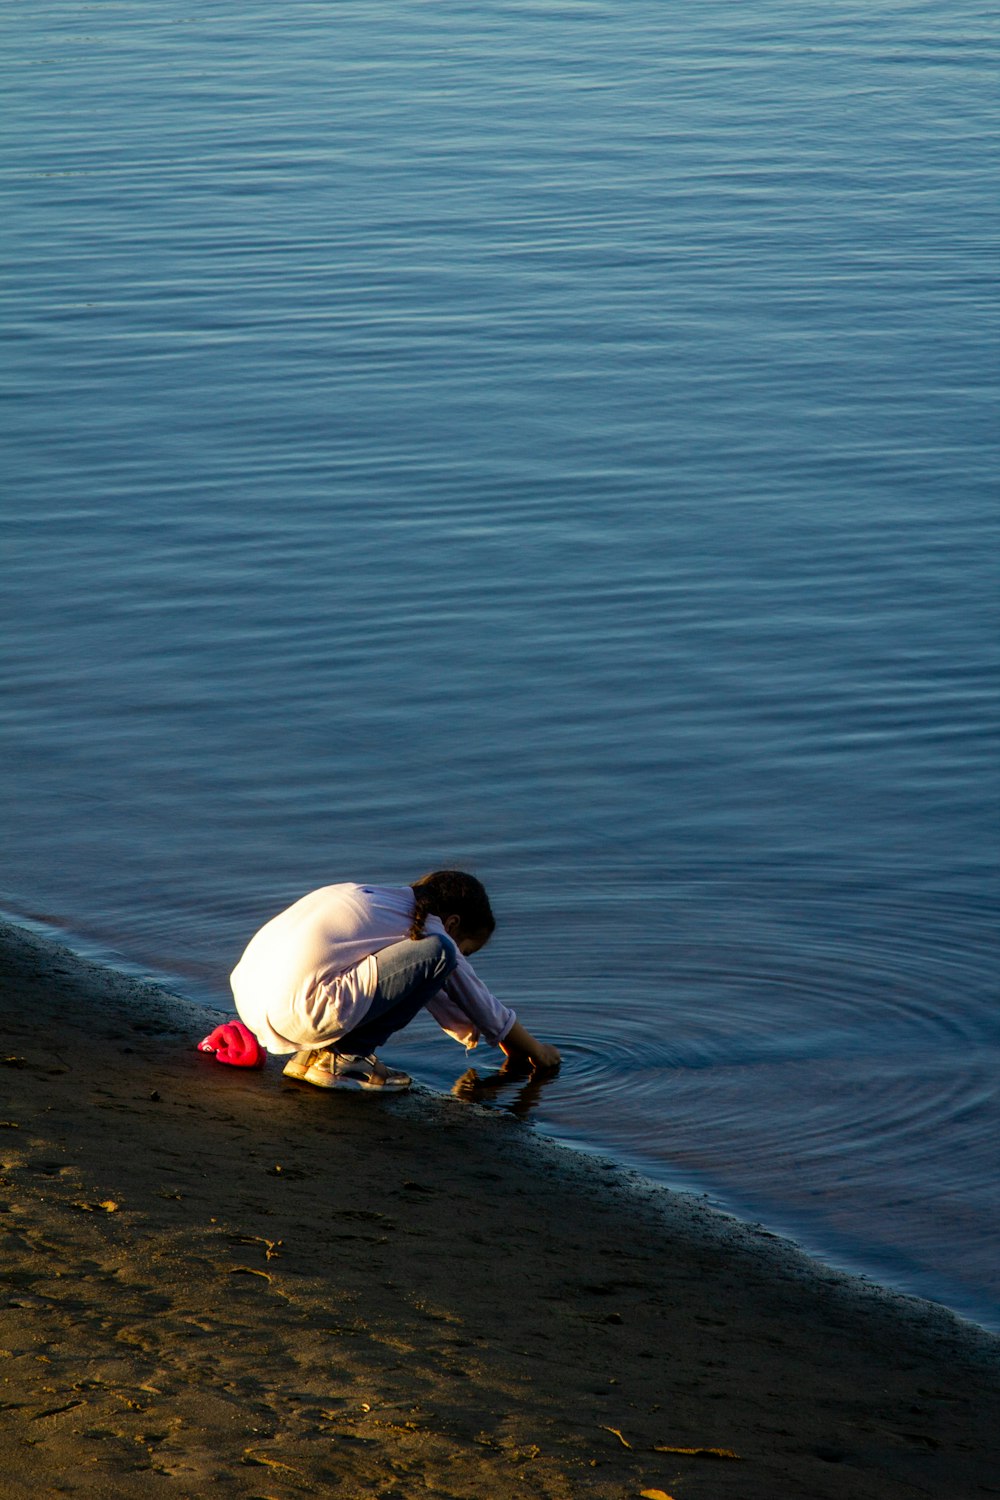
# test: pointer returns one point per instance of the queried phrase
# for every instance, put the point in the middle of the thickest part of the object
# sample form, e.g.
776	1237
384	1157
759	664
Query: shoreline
847	1259
221	1277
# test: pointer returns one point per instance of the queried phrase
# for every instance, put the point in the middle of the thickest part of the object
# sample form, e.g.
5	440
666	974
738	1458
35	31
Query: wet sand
220	1282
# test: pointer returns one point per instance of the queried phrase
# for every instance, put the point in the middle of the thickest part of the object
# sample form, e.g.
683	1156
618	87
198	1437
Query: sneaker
339	1070
300	1064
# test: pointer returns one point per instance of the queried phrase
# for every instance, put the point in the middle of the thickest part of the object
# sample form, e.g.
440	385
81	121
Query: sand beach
218	1282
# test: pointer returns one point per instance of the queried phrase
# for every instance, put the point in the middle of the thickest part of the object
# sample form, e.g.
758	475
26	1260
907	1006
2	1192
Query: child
341	970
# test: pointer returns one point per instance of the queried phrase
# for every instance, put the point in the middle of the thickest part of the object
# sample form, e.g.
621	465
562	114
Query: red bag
234	1043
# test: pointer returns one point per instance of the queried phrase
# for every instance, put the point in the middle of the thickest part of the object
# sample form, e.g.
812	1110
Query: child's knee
448	955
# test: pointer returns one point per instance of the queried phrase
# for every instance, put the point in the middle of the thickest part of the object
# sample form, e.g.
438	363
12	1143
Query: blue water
557	439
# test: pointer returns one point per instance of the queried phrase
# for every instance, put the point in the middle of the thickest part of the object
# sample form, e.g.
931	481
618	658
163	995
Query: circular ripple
835	1073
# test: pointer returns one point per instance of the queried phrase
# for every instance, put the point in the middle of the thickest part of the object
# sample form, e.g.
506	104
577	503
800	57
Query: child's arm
520	1043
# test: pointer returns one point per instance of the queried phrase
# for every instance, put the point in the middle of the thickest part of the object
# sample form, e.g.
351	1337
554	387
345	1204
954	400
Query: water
555	439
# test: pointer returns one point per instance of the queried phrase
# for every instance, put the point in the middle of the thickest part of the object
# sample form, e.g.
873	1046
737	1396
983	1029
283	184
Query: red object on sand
234	1043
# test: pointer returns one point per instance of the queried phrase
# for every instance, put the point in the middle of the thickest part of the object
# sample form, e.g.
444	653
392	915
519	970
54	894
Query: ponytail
421	911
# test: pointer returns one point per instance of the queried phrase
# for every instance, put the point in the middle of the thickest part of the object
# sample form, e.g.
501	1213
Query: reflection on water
516	1086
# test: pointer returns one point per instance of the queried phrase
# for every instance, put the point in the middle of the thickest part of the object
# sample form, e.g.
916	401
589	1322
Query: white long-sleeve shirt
309	975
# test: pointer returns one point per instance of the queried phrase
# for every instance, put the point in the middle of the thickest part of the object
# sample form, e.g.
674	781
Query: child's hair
452	893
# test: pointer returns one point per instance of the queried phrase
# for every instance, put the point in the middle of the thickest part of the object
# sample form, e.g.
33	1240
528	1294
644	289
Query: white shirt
308	976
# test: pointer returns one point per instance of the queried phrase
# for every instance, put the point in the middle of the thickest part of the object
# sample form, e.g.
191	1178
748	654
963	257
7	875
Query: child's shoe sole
334	1071
299	1065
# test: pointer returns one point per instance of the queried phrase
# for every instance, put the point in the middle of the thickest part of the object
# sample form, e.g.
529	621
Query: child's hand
544	1056
520	1043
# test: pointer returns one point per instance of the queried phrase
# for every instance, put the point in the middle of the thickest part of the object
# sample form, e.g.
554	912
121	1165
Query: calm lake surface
557	439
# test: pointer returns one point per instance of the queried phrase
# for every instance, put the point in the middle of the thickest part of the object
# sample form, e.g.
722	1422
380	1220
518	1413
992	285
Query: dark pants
409	974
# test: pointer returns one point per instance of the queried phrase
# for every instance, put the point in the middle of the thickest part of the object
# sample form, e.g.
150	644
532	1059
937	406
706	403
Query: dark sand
223	1283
